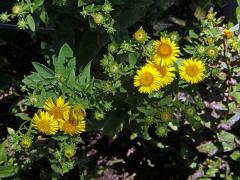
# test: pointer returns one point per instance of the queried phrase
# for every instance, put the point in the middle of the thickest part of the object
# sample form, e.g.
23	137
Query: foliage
176	90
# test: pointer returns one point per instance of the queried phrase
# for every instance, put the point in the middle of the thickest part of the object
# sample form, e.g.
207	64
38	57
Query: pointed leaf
31	22
43	71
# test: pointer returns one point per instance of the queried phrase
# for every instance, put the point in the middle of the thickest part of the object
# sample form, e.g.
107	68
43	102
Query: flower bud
98	18
26	141
17	9
22	24
69	151
98	115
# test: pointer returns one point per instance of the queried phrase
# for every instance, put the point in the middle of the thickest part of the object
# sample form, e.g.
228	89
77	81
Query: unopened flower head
140	35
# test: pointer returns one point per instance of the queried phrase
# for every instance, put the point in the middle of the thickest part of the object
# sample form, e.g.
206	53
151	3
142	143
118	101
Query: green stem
229	76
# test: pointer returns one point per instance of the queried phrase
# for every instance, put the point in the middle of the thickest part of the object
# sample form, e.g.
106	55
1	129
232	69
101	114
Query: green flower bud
112	48
161	130
107	105
165	116
212	52
33	99
26	141
214	72
22	24
4	17
114	68
149	120
98	18
107	7
110	30
17	9
174	36
190	111
201	50
140	35
69	151
98	115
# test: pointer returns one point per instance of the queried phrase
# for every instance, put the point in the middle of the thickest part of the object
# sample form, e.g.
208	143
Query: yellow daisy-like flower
45	123
166	72
165	51
79	112
228	33
71	125
192	71
148	79
58	108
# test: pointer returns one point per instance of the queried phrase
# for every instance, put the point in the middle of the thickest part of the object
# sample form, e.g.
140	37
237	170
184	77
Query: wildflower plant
157	88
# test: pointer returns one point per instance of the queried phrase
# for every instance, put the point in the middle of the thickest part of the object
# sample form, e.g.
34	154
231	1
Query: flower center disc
164	50
69	127
56	112
146	79
162	70
139	36
165	116
44	126
192	70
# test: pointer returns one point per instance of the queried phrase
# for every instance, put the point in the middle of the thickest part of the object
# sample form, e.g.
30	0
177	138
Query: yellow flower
228	33
71	125
165	51
166	72
45	123
79	112
192	71
140	35
58	108
148	79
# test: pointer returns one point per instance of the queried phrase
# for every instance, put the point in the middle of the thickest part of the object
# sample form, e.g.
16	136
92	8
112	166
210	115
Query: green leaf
31	22
23	116
10	130
238	1
164	5
238	14
236	95
71	79
44	16
214	31
208	148
165	101
192	34
43	71
228	140
178	21
3	154
32	79
64	53
132	59
85	76
60	138
81	3
131	16
38	3
8	171
235	155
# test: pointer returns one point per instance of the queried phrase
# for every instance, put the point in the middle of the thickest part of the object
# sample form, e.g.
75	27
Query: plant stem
229	76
